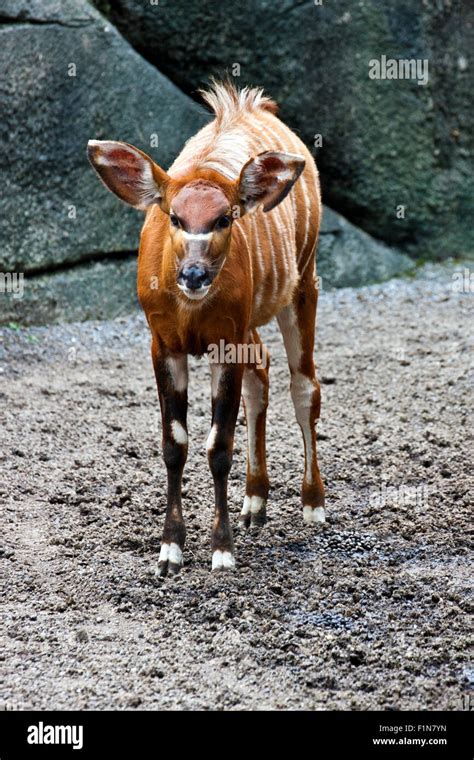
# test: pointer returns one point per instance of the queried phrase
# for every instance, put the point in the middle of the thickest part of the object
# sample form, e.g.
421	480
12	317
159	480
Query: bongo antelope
227	244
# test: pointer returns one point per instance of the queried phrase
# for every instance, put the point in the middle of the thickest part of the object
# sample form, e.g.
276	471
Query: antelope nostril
194	276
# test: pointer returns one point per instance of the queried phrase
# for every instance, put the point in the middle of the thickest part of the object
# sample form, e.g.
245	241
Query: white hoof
222	560
313	515
170	559
252	505
253	511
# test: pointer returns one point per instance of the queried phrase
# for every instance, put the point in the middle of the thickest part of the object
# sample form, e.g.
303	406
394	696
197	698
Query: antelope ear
128	172
268	178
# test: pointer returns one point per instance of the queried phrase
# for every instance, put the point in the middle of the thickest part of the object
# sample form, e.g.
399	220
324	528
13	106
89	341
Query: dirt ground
367	612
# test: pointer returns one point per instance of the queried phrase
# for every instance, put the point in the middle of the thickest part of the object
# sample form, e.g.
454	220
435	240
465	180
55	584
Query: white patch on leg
211	439
179	433
216	374
302	391
175	554
313	515
178	369
247	505
171	553
253	395
252	505
222	560
288	322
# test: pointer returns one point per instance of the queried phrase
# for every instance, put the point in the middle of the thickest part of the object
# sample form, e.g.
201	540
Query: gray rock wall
67	74
386	143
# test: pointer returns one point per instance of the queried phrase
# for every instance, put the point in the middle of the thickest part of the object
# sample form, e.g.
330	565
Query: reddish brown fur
259	266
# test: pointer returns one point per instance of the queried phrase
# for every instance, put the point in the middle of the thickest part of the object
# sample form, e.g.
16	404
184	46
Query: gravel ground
367	612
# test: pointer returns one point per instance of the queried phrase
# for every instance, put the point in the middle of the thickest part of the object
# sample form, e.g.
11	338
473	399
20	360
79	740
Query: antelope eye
174	220
223	222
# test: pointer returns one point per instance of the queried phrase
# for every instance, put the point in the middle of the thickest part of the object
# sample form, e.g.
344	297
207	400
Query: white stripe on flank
286	218
282	237
259	260
295	147
249	253
272	256
288	246
308	213
280	143
292	195
293	267
311	254
307	201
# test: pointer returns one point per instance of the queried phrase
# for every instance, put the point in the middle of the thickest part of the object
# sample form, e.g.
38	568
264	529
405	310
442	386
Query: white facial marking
179	433
313	515
211	439
197	235
221	560
194	295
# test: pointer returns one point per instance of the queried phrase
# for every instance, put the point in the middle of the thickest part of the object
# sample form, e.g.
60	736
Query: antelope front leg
226	391
255	397
172	381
